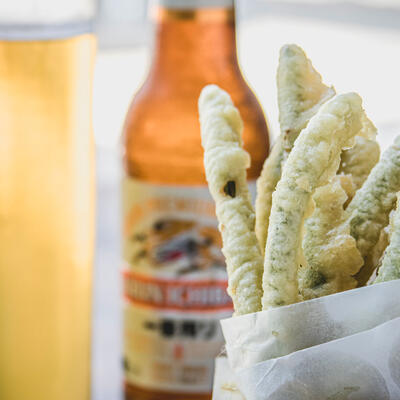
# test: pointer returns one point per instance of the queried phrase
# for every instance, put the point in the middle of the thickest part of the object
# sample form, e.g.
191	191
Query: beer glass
46	198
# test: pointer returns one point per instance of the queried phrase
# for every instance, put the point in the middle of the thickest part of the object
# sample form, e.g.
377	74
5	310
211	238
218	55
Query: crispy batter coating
225	164
301	92
266	184
331	254
390	265
313	161
359	160
347	184
379	249
368	212
368	130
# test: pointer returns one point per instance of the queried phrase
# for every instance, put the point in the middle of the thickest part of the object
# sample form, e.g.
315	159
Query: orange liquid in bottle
193	47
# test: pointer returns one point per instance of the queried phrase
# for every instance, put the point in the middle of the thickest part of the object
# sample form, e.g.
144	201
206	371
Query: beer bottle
174	274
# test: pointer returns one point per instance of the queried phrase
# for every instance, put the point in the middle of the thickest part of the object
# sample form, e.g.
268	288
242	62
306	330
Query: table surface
107	321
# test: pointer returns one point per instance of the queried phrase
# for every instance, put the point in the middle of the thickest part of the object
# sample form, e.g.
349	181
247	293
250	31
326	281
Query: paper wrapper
343	346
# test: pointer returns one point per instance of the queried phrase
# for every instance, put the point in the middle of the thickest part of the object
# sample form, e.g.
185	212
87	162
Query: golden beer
46	218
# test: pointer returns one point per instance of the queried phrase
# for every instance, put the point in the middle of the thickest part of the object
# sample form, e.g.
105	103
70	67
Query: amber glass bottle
174	275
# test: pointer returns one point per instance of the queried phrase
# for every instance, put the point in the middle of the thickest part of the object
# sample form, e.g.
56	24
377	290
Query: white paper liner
225	387
343	346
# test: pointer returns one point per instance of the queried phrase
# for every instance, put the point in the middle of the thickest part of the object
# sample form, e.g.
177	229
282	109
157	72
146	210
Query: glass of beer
46	199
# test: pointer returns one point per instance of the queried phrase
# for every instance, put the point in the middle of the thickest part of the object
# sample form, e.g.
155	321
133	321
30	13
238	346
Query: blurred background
354	44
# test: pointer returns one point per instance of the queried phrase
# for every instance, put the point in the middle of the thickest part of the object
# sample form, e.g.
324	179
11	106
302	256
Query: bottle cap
182	4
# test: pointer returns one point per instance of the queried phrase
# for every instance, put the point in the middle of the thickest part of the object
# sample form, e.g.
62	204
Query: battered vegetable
266	184
225	164
390	267
301	92
313	161
359	160
369	210
330	252
347	184
331	255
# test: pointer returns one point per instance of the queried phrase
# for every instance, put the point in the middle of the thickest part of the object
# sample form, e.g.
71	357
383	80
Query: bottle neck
195	40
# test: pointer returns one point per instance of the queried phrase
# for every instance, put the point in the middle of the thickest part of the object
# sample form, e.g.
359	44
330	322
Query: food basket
342	346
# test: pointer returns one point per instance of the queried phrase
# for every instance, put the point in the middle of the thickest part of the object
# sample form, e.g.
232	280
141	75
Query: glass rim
27	32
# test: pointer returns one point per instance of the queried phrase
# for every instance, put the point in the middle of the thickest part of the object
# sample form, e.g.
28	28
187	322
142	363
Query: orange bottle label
174	287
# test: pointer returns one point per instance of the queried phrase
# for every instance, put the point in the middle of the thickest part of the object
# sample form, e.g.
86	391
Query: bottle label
174	287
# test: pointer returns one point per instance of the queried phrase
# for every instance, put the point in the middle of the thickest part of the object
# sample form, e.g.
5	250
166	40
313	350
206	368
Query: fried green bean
359	160
225	163
331	254
368	212
266	184
313	161
301	92
390	266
